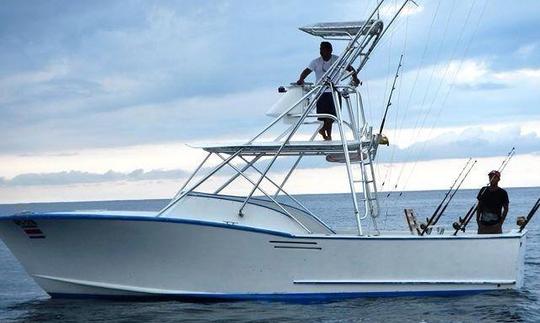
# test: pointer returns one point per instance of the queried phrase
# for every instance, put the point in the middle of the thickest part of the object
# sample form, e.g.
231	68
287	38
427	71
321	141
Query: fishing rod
462	223
505	162
428	220
530	215
450	195
389	103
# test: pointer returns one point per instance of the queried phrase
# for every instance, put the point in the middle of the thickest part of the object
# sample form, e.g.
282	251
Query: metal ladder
365	185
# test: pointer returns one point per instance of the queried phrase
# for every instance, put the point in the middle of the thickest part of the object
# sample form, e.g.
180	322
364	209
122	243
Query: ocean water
21	300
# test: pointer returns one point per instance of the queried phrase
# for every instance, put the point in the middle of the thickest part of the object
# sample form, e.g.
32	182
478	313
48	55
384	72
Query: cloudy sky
98	99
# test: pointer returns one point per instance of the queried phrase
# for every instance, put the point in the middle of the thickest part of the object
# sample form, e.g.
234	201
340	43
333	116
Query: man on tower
325	104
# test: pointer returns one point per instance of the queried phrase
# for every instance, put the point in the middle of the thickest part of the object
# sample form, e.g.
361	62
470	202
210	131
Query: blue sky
81	78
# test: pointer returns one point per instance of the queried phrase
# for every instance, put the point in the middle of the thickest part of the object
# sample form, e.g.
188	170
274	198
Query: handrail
328	116
293	131
266	194
296	163
192	175
280	188
202	180
347	160
235	176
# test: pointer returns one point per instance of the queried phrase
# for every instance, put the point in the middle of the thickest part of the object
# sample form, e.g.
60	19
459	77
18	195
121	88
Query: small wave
532	263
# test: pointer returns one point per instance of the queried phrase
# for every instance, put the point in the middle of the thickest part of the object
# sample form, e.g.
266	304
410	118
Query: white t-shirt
320	66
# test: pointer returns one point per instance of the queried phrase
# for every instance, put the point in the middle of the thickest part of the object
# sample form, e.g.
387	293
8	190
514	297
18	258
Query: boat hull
155	257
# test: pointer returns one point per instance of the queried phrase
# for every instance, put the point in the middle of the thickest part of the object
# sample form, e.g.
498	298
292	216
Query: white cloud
428	175
232	115
118	84
121	190
361	9
12	86
466	72
104	68
388	11
47	73
477	71
78	177
525	51
410	136
125	159
475	142
522	75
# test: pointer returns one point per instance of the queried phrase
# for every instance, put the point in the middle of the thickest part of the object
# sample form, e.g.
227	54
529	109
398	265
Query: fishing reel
383	140
458	226
425	227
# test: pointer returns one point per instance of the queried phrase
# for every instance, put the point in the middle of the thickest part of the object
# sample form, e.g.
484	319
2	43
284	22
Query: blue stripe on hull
45	216
270	297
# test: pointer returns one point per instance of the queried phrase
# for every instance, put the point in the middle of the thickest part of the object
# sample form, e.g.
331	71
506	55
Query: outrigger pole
431	221
389	103
462	223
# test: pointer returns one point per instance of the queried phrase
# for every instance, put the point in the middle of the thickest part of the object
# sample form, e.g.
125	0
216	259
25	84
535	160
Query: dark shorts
489	229
325	104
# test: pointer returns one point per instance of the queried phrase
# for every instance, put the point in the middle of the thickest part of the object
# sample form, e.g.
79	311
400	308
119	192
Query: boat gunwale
105	217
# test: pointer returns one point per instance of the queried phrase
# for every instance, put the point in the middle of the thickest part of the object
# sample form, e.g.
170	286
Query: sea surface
21	300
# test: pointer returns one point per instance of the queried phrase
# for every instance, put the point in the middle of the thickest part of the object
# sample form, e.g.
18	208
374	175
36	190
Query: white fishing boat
212	245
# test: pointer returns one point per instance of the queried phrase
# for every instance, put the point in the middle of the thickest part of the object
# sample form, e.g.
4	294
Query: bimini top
343	29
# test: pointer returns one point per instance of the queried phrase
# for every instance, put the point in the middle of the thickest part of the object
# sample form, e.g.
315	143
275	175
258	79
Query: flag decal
30	228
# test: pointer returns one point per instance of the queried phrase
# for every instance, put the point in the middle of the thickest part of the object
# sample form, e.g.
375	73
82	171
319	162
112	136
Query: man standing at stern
492	206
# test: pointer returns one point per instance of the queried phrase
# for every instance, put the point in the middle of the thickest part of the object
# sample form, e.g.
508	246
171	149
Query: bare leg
324	129
328	129
322	132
